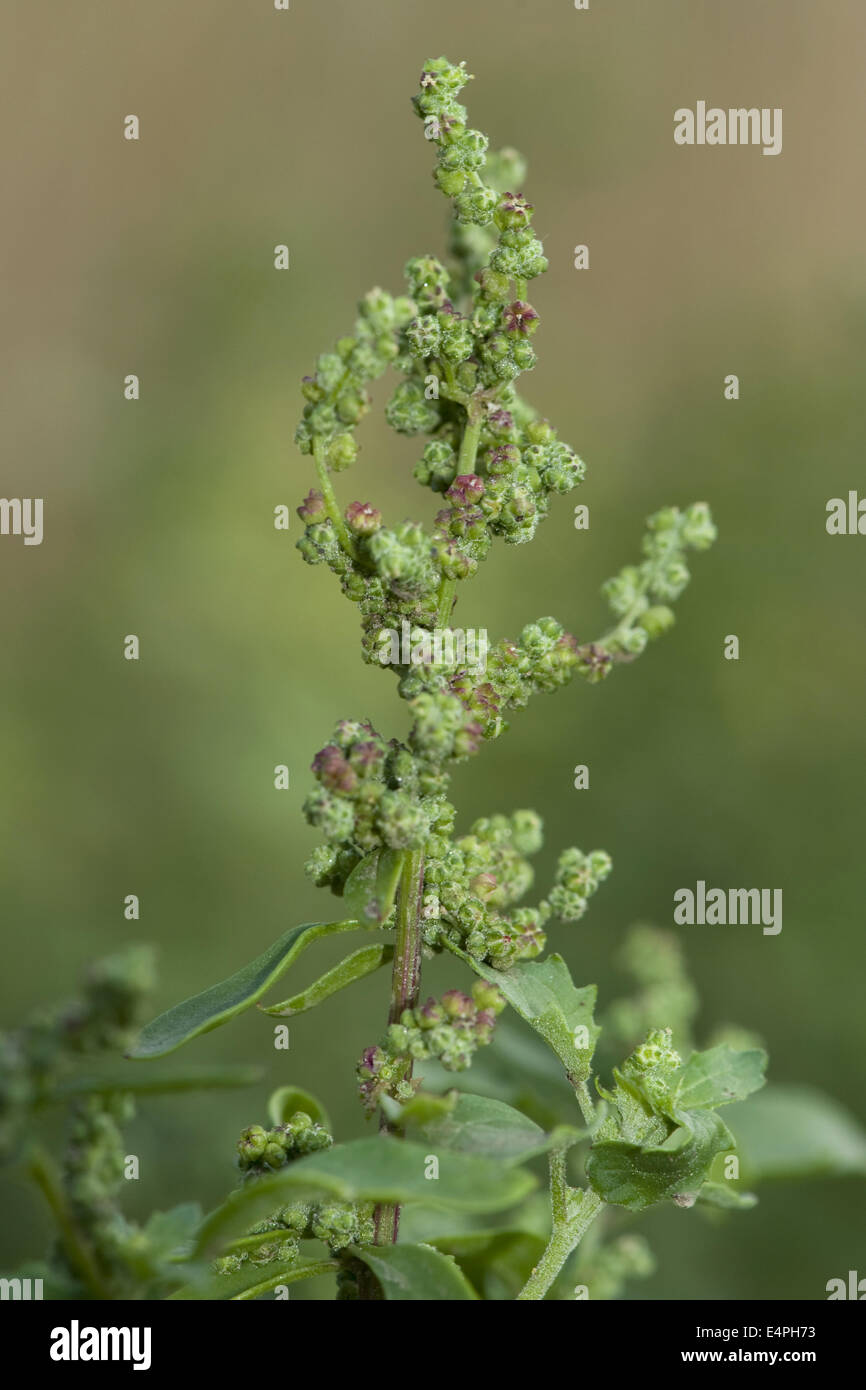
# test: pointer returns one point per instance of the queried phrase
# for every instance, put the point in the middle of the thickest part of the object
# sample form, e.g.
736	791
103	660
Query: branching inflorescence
459	338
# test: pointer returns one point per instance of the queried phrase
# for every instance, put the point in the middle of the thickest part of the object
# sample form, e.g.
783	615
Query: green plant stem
43	1170
573	1214
584	1100
471	435
331	504
616	634
447	590
405	984
465	464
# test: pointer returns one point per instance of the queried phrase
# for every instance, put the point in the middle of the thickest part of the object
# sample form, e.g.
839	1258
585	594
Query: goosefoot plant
459	338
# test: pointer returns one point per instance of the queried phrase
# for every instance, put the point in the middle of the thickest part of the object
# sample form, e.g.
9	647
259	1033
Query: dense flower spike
460	338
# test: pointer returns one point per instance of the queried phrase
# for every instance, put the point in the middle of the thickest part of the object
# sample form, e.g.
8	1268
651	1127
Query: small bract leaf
288	1100
371	887
224	1001
423	1108
417	1273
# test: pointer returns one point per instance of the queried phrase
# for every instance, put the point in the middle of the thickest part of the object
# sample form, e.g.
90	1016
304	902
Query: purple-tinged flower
466	489
362	519
520	317
313	508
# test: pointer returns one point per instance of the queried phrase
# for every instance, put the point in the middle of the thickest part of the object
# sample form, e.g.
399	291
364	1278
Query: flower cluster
260	1149
639	594
449	1030
338	1224
652	1064
471	882
370	795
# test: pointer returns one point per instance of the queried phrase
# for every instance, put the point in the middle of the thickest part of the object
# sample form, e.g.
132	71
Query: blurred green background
156	257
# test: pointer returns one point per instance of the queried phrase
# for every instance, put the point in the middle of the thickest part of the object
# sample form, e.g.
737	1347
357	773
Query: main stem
405	983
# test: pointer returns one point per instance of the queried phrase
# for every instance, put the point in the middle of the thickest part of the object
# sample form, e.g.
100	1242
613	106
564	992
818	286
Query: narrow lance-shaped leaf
355	967
156	1083
230	997
380	1169
416	1273
251	1281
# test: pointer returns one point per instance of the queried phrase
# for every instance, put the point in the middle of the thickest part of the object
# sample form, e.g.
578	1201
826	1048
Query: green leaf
156	1083
421	1109
354	967
416	1273
224	1001
172	1232
795	1132
544	994
717	1077
251	1281
478	1125
288	1100
634	1175
381	1169
370	889
724	1195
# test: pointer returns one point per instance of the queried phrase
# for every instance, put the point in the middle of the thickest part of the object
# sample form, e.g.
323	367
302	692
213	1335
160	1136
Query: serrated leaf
286	1101
795	1132
416	1273
354	967
371	887
717	1077
479	1125
215	1006
381	1169
544	994
636	1176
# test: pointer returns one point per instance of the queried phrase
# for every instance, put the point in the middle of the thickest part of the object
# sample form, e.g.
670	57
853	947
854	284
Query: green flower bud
342	452
657	620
